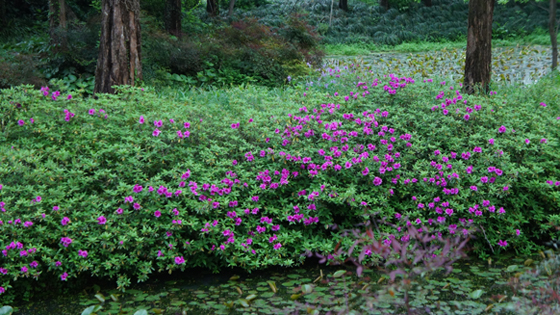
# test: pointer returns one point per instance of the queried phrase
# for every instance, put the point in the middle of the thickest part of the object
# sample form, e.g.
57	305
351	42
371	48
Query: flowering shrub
125	185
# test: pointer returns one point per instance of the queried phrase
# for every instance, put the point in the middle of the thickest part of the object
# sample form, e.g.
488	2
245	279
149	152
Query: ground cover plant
146	180
522	64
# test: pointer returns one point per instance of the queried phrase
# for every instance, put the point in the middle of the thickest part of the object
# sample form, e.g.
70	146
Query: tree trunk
384	4
58	23
478	63
3	17
553	33
427	3
231	5
118	62
343	4
173	20
212	8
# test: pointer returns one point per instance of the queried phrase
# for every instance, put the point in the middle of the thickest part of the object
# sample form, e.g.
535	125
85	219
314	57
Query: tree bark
3	17
478	63
343	4
427	3
212	8
173	21
384	4
553	33
231	5
118	62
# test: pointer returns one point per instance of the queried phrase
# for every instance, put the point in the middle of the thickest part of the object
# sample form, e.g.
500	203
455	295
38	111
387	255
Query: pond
471	288
521	64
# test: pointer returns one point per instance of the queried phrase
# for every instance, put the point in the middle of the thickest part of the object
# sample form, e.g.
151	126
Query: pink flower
21	122
101	220
156	132
157	214
179	260
64	276
517	232
543	104
502	243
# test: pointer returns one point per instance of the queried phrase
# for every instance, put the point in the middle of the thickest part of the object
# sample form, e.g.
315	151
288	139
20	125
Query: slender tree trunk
173	20
231	5
427	3
553	33
343	4
3	17
478	63
212	8
384	4
118	62
58	23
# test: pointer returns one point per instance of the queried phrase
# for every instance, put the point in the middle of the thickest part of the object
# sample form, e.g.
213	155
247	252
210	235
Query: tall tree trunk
118	62
553	33
231	5
173	19
478	63
427	3
3	17
343	4
58	23
212	8
384	4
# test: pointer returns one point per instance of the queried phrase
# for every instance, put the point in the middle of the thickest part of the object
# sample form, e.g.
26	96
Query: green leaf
6	310
476	294
339	273
141	312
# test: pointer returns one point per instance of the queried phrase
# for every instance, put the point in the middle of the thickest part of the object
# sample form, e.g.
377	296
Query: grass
537	38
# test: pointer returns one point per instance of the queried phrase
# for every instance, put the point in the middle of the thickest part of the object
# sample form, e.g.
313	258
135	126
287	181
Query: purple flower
467	117
502	129
543	140
377	181
83	253
506	188
157	214
179	260
101	220
56	208
527	141
156	132
21	122
158	123
502	243
474	188
91	111
34	264
517	232
58	264
65	221
66	241
141	120
277	246
24	269
64	276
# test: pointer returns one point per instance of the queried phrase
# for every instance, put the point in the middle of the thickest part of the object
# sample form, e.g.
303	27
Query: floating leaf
251	297
87	311
272	285
100	297
339	273
476	294
307	288
295	296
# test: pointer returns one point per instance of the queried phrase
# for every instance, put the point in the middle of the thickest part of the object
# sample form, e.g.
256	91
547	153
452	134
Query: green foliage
405	21
86	157
242	52
18	68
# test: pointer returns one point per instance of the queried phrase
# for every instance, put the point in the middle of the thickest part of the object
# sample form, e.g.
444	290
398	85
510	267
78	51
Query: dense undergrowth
163	179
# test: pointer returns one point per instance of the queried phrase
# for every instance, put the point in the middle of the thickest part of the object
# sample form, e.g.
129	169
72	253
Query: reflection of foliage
539	289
